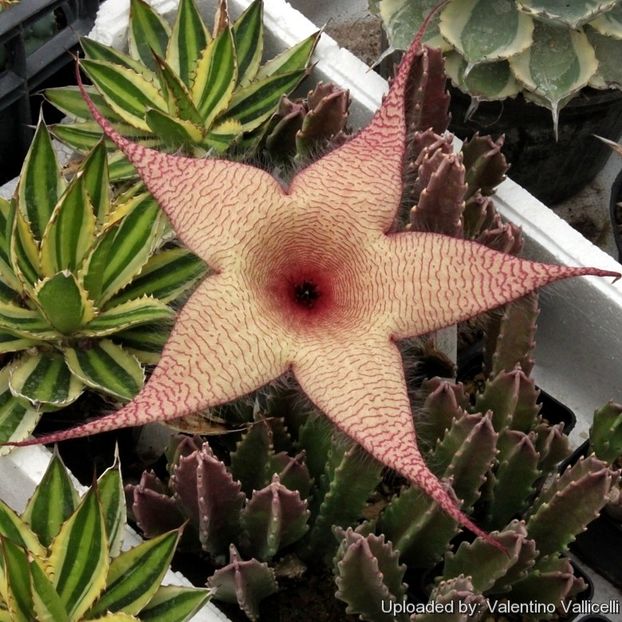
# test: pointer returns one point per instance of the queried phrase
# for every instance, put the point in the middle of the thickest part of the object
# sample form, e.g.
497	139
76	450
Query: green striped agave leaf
107	368
165	276
123	249
40	183
176	88
43	378
7	275
127	92
112	499
81	575
25	322
188	39
174	603
47	604
70	231
52	503
17	421
135	575
127	315
248	38
78	560
486	30
24	251
148	33
69	100
145	342
215	77
18	593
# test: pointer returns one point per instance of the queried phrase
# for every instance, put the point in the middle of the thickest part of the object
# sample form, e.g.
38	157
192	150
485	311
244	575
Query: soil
363	37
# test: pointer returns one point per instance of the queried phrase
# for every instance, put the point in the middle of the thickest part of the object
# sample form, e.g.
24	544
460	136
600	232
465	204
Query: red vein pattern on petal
210	202
217	351
431	281
365	396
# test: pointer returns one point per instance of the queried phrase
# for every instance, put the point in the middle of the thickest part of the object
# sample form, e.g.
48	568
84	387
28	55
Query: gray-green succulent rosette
547	50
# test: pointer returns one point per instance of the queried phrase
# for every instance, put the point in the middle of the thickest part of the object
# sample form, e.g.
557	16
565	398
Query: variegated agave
84	276
495	49
61	559
182	88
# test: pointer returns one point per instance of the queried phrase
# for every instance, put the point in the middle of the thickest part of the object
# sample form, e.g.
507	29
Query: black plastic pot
29	60
600	546
551	170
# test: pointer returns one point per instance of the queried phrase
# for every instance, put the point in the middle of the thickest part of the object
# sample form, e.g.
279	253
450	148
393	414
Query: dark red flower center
306	293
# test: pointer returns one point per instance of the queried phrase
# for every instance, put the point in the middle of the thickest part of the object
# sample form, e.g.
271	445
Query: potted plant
521	55
62	559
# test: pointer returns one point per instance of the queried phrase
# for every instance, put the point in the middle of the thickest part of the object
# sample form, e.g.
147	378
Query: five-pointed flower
310	279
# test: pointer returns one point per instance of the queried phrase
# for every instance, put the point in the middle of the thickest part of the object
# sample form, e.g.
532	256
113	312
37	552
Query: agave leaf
14	343
127	315
608	51
14	560
145	342
402	19
96	182
17	420
70	231
179	97
64	302
40	183
81	136
215	77
116	617
609	23
68	100
7	276
295	58
112	500
222	135
188	39
253	104
123	249
174	604
16	530
24	251
486	30
53	502
165	276
78	560
47	604
135	575
127	92
98	51
44	378
572	14
25	322
148	32
248	39
106	367
174	132
557	65
487	81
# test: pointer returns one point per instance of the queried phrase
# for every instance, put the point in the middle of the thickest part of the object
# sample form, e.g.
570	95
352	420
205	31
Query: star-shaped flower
310	279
